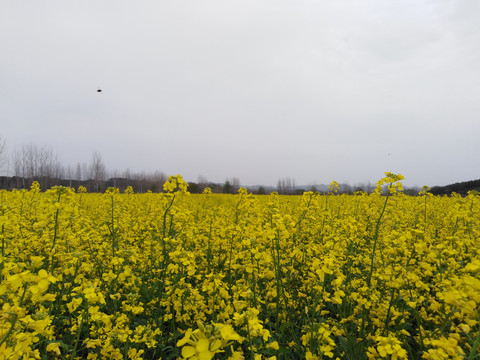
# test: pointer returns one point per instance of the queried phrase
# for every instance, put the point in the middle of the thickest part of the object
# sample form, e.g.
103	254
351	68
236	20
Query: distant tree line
40	163
31	163
461	188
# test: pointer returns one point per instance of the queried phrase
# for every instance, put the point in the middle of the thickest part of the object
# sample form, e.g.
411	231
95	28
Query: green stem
3	238
250	341
375	240
387	318
15	317
113	228
12	326
55	232
3	225
77	338
425	217
165	216
473	353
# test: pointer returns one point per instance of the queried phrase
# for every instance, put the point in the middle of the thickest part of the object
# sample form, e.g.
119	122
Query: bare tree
24	164
31	162
235	184
346	189
158	178
78	172
141	181
68	172
19	167
85	172
49	168
3	152
202	183
114	173
286	186
98	171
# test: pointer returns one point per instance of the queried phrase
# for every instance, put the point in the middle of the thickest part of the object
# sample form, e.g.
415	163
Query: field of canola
208	276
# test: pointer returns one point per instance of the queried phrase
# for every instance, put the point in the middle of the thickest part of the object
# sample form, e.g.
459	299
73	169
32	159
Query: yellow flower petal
188	351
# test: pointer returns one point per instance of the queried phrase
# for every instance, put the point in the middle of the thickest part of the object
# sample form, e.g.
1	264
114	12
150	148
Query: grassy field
173	275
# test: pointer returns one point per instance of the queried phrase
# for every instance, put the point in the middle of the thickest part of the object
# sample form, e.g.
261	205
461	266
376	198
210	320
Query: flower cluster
175	183
207	340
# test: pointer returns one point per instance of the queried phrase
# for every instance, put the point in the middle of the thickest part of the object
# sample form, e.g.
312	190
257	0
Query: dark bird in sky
99	90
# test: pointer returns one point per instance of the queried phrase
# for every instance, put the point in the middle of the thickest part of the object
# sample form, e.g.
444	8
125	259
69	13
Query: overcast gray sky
254	89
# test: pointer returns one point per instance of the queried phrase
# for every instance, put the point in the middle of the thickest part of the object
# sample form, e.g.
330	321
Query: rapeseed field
209	276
